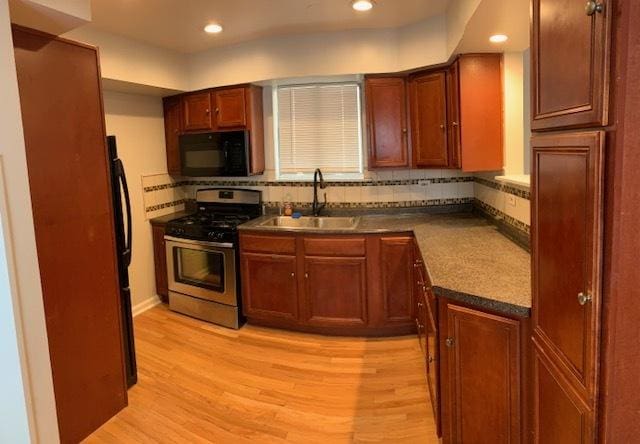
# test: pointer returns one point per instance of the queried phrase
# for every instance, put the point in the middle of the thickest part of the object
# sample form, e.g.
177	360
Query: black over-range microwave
224	153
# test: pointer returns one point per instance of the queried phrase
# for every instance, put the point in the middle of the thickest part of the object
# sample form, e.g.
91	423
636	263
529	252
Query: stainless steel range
202	255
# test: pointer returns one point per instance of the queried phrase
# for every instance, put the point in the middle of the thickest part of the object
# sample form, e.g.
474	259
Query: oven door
205	270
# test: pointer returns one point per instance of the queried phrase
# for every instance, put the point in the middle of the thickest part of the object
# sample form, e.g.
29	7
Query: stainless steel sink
312	223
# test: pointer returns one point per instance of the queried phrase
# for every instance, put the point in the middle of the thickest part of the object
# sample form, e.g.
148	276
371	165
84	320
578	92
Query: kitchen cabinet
480	119
566	241
172	130
335	290
570	64
329	284
386	106
481	376
453	115
230	108
269	286
428	111
196	111
160	262
397	279
236	108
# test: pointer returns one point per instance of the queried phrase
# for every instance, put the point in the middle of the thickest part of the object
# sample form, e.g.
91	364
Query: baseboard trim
145	305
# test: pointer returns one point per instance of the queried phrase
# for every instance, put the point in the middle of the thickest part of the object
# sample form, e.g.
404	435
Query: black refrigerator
123	237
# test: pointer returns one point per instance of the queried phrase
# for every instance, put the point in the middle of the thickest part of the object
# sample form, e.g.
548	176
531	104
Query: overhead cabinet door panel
570	52
429	120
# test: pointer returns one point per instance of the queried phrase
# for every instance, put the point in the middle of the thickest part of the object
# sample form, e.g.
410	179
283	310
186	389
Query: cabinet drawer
268	244
351	246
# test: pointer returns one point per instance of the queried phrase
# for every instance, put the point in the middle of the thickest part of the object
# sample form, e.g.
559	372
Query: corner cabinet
233	108
330	284
387	125
445	117
570	63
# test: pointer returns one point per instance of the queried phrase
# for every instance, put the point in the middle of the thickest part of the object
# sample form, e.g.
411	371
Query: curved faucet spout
317	207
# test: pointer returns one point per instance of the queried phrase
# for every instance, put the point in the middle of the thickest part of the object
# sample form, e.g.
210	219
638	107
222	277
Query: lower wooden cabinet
160	262
333	284
335	290
481	376
270	279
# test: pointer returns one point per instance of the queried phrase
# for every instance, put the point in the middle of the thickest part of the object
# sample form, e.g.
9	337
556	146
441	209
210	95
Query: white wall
138	124
458	14
132	61
21	306
325	54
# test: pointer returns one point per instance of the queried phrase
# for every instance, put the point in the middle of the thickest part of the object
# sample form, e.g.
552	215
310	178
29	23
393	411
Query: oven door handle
198	242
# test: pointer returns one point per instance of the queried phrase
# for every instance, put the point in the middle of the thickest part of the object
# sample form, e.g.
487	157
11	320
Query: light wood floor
201	383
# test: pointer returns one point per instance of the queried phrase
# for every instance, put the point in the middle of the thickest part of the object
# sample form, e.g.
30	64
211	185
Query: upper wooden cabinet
455	117
481	376
172	131
221	109
386	103
230	108
196	111
570	64
481	111
428	104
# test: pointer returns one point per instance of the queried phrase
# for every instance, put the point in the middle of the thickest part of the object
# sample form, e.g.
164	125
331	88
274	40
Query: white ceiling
178	24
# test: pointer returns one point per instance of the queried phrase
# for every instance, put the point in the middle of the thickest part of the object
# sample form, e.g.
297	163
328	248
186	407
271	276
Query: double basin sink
312	223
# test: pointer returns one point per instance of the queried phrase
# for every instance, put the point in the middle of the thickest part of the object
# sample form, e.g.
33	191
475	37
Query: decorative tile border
497	214
373	205
264	183
165	205
505	188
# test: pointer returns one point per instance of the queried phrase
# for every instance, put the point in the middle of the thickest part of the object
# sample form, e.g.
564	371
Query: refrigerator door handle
126	254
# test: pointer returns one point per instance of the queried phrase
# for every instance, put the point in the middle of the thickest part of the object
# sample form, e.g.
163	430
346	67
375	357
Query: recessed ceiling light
498	38
213	28
362	5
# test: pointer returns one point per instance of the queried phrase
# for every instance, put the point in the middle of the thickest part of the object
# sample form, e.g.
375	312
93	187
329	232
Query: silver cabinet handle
583	298
419	304
293	274
306	275
449	342
455	123
592	7
430	359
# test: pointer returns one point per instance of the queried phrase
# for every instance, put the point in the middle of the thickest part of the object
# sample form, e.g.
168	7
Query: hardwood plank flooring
200	383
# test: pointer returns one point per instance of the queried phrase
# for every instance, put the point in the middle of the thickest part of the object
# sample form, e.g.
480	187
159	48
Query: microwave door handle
126	254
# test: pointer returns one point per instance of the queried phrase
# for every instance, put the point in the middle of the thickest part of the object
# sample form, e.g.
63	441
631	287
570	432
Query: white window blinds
319	126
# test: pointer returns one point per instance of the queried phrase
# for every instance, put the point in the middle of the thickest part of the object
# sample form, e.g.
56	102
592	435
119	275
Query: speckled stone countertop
467	258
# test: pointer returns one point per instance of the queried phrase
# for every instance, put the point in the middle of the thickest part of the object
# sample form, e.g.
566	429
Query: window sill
519	180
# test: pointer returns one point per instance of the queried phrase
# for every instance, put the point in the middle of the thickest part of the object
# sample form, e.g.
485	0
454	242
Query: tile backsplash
379	189
396	189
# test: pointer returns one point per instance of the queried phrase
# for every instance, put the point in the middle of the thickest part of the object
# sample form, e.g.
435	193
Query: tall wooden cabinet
570	89
66	152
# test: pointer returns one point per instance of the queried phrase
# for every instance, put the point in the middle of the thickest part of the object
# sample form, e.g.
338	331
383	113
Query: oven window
201	268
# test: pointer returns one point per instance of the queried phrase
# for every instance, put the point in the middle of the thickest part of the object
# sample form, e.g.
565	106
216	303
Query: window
318	126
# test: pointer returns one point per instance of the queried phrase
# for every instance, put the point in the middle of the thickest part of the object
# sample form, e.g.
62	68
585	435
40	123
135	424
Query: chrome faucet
317	206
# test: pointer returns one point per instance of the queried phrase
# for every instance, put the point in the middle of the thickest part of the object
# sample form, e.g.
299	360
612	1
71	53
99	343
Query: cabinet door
566	251
387	122
396	260
196	111
432	360
160	262
570	63
335	290
172	130
269	287
429	120
560	415
453	115
481	387
231	108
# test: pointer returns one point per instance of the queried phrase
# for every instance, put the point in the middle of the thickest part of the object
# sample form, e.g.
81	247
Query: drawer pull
450	342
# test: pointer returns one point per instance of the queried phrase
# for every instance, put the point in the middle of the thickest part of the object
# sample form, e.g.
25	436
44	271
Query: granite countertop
466	256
